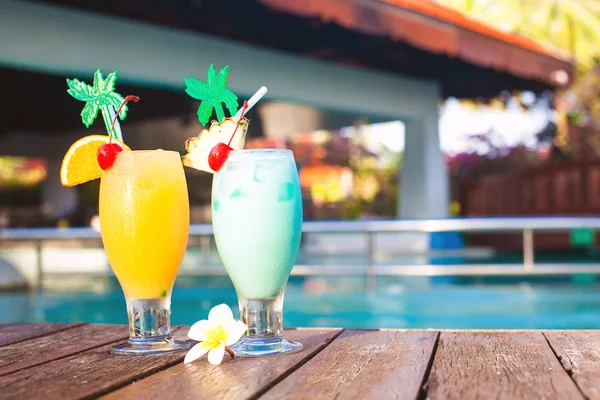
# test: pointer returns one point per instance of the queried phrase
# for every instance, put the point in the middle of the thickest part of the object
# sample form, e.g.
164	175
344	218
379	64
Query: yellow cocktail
144	213
144	219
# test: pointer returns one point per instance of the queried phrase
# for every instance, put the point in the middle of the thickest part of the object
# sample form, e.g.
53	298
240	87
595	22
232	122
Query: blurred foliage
21	171
579	119
376	188
570	25
497	160
574	131
20	180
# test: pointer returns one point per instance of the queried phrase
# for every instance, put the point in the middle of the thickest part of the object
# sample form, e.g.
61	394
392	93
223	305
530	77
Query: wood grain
13	333
88	374
579	353
363	365
497	365
237	379
57	345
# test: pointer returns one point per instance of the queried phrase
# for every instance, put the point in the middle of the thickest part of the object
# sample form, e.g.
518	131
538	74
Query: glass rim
258	154
152	151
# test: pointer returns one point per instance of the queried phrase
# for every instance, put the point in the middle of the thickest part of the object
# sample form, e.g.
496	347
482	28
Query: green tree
571	25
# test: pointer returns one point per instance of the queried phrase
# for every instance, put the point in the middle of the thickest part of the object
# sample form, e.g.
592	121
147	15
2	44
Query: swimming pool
466	303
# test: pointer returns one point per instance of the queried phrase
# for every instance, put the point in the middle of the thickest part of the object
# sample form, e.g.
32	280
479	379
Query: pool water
467	303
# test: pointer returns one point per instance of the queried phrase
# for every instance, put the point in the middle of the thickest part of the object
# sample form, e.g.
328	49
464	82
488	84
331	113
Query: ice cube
284	171
240	191
286	191
227	186
263	172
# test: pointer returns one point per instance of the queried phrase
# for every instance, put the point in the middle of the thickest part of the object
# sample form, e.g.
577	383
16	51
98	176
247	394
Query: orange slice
80	163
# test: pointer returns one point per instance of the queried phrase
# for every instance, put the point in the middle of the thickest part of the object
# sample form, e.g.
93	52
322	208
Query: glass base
263	347
136	347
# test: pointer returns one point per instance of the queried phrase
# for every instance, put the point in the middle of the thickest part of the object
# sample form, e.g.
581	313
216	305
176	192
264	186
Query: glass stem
262	316
149	319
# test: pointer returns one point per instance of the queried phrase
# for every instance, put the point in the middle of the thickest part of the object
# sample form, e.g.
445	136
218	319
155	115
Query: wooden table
67	361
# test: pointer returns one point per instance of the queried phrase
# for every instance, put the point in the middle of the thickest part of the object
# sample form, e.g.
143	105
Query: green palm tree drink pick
220	139
101	96
212	94
256	213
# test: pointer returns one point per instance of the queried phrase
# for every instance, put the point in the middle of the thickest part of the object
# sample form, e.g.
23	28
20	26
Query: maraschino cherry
220	152
107	153
218	155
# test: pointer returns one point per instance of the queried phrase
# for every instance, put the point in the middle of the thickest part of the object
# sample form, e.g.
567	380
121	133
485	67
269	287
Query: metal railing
526	226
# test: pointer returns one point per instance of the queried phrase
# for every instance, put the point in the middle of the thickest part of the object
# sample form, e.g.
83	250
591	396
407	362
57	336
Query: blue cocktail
257	219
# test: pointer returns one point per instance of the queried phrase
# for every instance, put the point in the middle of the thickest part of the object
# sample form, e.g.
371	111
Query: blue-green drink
257	220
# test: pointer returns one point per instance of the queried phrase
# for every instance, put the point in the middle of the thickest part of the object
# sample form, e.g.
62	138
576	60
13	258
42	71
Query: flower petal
215	355
220	313
201	331
235	332
197	351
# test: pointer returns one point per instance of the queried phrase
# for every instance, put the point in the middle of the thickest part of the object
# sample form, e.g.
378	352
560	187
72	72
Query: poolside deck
68	361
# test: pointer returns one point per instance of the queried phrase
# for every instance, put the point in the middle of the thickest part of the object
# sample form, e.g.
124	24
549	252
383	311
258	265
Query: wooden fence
559	189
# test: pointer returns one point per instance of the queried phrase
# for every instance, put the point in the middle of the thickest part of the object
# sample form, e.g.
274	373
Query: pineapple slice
199	148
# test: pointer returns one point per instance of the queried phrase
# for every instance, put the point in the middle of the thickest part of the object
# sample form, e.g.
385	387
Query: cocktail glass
144	220
257	220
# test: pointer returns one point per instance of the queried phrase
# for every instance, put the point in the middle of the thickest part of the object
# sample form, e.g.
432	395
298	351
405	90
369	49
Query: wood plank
363	365
13	333
497	365
237	379
58	345
579	353
87	374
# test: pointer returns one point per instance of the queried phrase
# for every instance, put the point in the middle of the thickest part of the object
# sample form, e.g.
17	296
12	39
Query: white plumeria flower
215	334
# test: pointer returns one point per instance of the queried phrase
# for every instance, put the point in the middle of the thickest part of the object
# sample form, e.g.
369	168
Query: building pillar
425	191
283	120
424	185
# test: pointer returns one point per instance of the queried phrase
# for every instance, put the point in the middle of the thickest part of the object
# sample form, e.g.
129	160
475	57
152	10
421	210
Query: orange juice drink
144	213
144	219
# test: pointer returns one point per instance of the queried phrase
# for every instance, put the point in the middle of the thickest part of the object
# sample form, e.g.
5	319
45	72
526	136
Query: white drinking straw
252	101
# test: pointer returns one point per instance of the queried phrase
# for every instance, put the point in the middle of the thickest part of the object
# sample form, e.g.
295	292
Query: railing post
205	249
40	263
528	250
371	278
